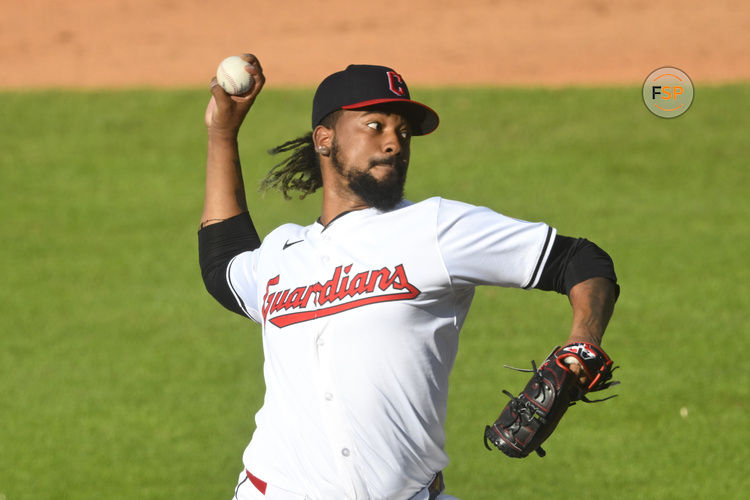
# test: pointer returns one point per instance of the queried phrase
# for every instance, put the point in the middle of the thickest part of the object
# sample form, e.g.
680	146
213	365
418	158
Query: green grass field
121	378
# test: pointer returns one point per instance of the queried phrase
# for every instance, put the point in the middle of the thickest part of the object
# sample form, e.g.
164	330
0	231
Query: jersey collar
364	212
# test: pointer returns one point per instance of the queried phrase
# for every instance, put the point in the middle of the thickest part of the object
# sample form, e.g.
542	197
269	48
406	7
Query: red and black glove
529	419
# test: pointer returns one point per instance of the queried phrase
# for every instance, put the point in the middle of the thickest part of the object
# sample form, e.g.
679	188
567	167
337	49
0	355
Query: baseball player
361	309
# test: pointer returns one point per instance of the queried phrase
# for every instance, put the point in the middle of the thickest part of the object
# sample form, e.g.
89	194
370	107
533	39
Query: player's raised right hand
225	113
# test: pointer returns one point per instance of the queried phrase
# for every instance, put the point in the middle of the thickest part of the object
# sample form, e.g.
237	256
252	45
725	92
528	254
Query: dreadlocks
300	171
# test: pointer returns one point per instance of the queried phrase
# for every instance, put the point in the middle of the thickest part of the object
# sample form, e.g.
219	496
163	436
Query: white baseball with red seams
361	321
233	77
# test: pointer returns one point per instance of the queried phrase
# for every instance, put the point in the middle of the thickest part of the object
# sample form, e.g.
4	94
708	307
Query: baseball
232	76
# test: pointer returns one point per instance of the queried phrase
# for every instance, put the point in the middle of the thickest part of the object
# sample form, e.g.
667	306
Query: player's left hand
566	376
577	370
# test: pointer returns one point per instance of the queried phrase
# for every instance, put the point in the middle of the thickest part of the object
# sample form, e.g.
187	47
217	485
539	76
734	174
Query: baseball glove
529	419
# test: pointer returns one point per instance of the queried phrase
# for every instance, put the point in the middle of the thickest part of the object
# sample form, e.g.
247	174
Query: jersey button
329	396
345	452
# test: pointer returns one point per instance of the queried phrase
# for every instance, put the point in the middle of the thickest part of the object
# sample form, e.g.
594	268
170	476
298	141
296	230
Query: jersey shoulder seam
447	273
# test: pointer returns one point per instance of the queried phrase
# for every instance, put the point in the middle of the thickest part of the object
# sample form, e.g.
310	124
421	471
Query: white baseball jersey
360	331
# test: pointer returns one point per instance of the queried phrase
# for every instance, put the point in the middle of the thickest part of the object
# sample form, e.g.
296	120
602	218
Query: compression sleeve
573	260
217	245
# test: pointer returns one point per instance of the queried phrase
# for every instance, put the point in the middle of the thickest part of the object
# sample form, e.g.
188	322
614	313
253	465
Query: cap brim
422	119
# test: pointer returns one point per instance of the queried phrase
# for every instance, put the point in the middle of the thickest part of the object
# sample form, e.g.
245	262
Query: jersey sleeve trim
572	261
217	245
234	291
546	248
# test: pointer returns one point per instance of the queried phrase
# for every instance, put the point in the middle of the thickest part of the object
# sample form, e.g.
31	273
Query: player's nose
393	142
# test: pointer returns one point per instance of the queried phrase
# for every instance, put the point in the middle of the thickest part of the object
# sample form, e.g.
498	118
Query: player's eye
375	125
404	134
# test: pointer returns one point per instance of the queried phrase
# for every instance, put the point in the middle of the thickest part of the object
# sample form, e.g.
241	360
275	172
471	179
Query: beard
382	194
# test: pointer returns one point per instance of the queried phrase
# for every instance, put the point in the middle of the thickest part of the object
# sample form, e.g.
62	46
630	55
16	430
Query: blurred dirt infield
126	43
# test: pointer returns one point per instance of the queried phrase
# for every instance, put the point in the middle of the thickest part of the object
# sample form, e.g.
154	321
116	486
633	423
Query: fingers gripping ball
233	77
529	419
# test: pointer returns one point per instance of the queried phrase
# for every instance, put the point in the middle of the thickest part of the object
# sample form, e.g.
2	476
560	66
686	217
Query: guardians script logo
341	293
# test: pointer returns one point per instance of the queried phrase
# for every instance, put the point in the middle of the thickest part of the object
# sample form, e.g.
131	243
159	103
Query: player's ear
323	138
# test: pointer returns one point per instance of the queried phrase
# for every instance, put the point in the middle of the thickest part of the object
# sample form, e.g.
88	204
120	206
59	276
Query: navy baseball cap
362	86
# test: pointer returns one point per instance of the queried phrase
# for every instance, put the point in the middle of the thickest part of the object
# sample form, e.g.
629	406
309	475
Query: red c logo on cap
396	83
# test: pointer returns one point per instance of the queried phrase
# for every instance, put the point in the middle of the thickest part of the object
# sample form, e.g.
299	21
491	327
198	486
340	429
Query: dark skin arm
225	190
593	302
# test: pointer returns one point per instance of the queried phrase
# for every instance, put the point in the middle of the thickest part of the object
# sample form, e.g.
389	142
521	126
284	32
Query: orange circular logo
668	92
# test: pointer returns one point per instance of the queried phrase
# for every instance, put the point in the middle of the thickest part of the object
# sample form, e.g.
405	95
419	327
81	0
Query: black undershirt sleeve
573	260
217	245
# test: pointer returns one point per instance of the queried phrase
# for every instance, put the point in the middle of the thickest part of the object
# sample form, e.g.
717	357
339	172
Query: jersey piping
234	292
542	258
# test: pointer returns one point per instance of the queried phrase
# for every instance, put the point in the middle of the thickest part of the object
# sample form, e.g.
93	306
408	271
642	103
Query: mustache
393	161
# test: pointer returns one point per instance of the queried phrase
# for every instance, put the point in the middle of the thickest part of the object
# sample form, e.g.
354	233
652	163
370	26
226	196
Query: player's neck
336	202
